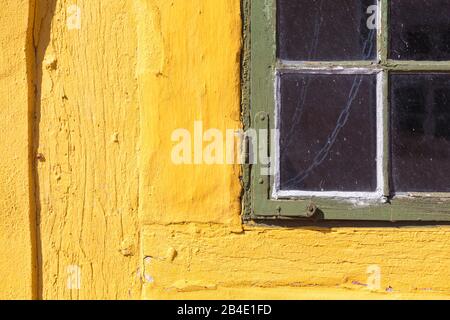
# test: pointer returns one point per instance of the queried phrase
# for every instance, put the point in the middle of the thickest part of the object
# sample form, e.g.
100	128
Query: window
356	94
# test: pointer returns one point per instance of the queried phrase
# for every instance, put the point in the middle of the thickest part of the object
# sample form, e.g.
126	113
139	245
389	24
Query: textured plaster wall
17	254
194	243
87	130
93	157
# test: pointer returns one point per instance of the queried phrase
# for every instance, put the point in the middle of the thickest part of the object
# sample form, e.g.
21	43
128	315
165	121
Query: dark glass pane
420	30
328	132
315	30
420	132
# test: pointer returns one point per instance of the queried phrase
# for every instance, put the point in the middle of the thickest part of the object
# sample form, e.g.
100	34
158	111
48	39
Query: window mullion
384	134
383	31
383	104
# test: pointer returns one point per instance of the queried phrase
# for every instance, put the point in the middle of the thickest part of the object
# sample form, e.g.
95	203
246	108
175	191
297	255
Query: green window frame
260	66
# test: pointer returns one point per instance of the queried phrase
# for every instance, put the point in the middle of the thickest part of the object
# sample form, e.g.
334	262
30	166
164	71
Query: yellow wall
192	237
111	202
88	132
17	249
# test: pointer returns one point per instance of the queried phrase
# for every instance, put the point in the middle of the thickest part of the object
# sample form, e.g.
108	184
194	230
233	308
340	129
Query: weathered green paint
258	98
383	35
245	100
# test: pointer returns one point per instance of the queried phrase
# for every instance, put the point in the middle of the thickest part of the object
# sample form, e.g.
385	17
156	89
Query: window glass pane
327	132
420	29
314	30
420	132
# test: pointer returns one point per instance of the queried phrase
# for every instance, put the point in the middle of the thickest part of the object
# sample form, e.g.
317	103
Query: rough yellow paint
87	129
188	71
194	244
17	245
116	218
301	263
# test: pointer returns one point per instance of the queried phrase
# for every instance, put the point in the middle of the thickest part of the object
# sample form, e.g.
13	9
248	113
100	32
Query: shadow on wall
41	14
